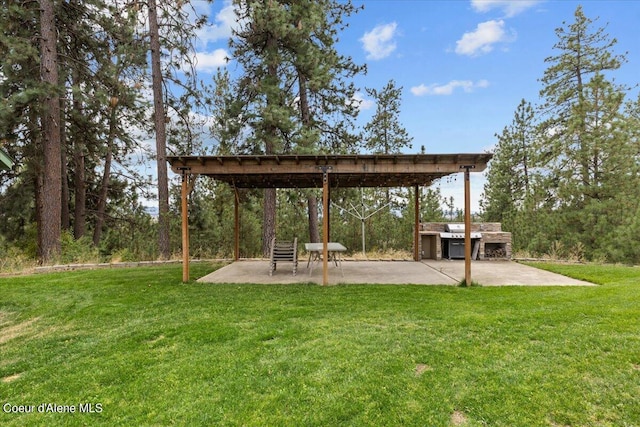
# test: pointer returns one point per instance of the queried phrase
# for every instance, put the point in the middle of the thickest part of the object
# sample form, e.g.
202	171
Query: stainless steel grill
453	240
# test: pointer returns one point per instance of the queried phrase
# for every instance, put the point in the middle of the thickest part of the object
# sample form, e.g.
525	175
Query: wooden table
334	249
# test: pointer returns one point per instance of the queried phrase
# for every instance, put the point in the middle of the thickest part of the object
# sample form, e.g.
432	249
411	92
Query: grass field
136	347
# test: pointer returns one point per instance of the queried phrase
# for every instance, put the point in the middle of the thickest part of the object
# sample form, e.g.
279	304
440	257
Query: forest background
84	84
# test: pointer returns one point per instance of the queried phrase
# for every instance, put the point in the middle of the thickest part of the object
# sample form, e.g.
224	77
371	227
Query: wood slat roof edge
283	170
323	158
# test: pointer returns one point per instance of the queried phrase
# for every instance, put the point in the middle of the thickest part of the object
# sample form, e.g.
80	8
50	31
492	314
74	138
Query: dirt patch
421	368
636	367
10	332
11	378
458	418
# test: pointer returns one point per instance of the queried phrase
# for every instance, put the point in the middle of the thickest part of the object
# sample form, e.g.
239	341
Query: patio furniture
334	249
283	252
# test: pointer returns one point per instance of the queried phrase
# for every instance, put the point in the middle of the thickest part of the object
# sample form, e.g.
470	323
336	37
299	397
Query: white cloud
225	20
449	88
210	61
509	7
361	102
379	43
483	38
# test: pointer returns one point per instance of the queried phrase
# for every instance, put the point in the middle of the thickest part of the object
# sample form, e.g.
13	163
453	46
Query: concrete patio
427	272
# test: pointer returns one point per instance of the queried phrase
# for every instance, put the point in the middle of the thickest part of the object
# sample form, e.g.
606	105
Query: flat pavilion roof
306	171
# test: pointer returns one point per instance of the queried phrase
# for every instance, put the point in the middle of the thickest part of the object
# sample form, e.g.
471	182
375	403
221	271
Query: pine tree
160	131
586	150
20	110
269	112
89	35
325	89
384	133
171	38
51	184
295	85
583	55
510	173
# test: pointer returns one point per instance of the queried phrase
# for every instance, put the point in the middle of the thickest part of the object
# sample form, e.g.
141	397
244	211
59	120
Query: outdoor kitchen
440	240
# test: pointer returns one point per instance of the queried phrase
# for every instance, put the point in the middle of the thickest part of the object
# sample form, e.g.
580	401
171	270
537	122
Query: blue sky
464	65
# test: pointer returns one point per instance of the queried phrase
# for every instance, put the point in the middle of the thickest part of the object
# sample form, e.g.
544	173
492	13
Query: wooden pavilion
326	172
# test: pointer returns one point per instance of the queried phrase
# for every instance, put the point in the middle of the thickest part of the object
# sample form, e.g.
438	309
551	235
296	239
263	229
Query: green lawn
144	349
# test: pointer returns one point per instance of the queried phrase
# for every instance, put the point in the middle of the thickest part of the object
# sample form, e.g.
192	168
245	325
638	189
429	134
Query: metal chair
283	252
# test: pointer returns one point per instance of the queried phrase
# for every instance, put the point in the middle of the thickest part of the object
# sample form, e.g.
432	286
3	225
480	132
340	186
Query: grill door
456	248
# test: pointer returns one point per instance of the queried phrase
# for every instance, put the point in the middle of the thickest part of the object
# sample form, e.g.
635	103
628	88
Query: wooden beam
325	226
257	168
236	229
467	227
185	226
416	226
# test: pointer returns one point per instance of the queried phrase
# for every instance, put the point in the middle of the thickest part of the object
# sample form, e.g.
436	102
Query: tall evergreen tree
384	133
20	110
512	193
270	109
88	36
295	85
171	37
160	131
325	86
510	175
584	134
583	54
50	187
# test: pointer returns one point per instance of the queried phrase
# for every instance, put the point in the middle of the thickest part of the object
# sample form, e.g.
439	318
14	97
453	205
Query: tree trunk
77	136
37	185
79	178
51	183
80	189
312	201
65	220
106	178
314	231
268	220
161	134
269	211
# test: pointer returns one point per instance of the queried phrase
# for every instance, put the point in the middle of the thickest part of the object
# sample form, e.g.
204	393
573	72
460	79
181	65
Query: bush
13	259
124	255
77	250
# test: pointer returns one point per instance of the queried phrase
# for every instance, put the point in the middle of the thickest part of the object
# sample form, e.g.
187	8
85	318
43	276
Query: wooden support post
416	226
236	230
185	225
325	226
467	226
329	213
